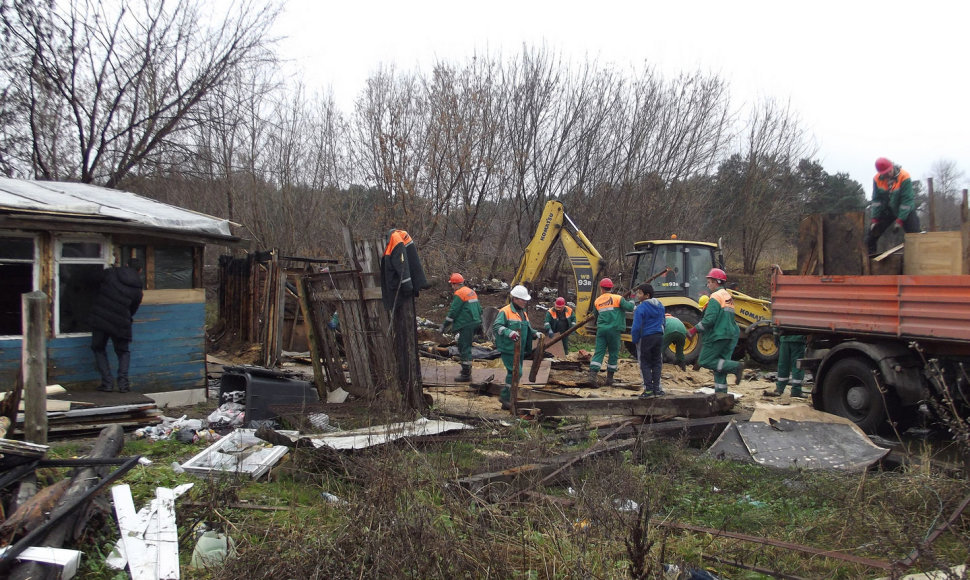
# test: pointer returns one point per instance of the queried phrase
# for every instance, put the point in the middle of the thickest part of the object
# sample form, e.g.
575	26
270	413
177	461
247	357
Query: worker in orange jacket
465	317
611	312
893	202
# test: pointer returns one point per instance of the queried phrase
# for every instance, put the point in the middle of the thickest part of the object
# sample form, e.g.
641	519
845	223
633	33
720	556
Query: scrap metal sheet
800	444
380	434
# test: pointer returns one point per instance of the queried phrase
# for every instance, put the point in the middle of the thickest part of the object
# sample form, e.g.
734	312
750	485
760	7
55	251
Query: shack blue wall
167	353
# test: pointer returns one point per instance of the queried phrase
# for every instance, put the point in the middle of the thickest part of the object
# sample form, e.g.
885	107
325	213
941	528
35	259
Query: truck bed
917	307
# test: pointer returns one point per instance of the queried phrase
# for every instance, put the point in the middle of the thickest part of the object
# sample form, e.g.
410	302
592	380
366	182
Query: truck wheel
692	346
850	391
760	343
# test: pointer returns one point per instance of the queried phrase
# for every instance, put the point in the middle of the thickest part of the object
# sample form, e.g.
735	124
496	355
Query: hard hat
606	283
883	165
702	301
717	274
560	301
673	236
456	278
520	292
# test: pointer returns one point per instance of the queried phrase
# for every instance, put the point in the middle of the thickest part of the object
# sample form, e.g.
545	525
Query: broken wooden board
149	537
435	374
692	406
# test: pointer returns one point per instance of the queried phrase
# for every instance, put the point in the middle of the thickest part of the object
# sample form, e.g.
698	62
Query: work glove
691	332
899	224
550	334
514	336
872	224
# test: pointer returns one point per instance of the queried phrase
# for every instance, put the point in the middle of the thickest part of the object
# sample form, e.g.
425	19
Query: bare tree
107	84
758	186
947	183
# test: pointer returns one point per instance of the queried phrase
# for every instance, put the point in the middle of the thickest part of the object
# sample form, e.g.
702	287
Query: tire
849	390
692	346
761	346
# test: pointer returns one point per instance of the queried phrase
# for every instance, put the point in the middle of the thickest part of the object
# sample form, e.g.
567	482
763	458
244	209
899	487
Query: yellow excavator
677	268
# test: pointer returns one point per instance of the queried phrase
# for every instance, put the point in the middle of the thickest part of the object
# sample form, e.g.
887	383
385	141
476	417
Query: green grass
403	515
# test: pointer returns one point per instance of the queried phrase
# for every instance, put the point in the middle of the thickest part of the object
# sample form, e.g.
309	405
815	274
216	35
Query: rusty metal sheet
935	307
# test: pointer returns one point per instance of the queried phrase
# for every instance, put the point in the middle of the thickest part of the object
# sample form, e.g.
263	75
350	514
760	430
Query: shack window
173	267
16	278
79	269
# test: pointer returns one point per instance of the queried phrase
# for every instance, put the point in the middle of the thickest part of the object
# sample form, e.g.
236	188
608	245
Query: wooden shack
57	237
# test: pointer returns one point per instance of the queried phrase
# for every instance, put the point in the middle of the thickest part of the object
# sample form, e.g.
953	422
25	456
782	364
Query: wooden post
514	389
965	229
932	208
34	363
311	333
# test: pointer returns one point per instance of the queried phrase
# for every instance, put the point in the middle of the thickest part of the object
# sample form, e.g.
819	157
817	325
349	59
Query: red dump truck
881	347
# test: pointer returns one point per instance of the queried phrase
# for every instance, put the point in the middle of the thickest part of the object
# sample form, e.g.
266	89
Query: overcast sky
867	79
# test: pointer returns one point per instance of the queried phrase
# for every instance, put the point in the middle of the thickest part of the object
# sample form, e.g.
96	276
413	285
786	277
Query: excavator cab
686	265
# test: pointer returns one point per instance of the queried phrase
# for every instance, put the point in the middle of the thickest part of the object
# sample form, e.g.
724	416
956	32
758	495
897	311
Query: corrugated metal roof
91	201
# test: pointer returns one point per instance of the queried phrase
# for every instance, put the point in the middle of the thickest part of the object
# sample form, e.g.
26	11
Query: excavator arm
584	259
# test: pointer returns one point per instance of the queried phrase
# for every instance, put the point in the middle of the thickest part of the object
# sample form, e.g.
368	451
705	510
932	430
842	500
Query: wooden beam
692	406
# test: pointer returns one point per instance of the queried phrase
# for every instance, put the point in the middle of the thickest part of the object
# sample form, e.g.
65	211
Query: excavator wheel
761	346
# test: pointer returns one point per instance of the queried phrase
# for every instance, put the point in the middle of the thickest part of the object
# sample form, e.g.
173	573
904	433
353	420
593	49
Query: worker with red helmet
465	316
893	202
719	333
559	319
611	312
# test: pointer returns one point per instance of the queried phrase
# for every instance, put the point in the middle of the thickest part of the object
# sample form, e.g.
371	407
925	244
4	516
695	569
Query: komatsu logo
750	314
546	227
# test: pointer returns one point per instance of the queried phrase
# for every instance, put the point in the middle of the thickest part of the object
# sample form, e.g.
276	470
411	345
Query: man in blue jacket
647	334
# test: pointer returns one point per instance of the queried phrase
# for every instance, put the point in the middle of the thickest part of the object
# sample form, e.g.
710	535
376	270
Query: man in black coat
118	299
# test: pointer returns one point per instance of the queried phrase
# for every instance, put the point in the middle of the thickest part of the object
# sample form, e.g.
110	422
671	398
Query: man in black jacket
118	299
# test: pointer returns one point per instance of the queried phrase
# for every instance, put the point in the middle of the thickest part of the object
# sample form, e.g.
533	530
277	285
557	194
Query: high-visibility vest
724	298
466	294
566	312
607	302
512	314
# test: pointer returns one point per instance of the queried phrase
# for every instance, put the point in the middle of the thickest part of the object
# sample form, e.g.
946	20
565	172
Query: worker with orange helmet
719	333
611	312
465	316
893	202
559	319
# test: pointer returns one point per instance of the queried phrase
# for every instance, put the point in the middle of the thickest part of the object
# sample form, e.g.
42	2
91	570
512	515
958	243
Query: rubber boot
609	378
683	365
697	365
797	393
505	397
720	388
739	373
465	376
592	378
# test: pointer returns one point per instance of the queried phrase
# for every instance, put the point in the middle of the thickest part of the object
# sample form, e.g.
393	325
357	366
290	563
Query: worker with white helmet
465	317
719	333
512	326
611	312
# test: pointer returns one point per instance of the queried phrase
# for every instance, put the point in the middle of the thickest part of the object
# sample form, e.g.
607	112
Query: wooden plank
174	296
166	538
692	406
933	254
371	293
